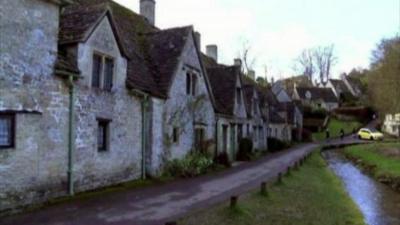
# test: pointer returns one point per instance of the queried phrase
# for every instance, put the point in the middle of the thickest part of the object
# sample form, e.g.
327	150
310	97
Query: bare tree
325	60
316	61
305	63
246	55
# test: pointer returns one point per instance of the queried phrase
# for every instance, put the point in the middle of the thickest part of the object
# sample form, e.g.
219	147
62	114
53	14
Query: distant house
391	125
281	94
316	97
338	87
256	125
289	83
279	125
293	116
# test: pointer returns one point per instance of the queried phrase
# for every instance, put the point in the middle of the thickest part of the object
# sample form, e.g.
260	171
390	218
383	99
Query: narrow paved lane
155	205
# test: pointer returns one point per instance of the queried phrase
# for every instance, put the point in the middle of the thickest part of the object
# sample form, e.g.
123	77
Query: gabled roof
248	91
339	85
325	94
152	54
163	50
300	81
274	117
223	85
290	109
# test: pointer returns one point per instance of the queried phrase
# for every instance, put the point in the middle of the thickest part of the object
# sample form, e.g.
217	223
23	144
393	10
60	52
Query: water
379	204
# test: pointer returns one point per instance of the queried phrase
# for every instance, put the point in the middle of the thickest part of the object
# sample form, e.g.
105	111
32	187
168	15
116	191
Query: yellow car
370	134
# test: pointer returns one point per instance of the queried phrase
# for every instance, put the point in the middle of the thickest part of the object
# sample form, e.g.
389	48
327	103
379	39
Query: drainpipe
216	137
145	104
71	144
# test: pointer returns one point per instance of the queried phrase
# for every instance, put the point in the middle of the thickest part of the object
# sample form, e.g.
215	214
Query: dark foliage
223	159
275	145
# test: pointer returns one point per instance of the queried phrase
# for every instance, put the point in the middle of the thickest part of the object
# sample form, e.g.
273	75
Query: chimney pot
197	37
237	62
252	74
212	52
147	10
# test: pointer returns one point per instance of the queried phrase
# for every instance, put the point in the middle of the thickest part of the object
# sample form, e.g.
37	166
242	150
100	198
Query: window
97	68
7	130
194	84
103	72
238	96
255	106
188	83
191	84
108	74
175	135
103	130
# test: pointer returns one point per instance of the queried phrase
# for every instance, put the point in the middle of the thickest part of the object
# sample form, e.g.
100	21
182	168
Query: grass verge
382	160
312	195
334	128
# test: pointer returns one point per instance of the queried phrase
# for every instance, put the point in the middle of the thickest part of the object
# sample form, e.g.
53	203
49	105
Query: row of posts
263	187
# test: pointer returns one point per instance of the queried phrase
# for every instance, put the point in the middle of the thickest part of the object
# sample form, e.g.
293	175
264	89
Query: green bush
194	164
245	149
275	145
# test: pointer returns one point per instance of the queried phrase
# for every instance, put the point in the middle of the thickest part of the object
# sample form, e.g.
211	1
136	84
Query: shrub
275	145
192	165
362	114
245	149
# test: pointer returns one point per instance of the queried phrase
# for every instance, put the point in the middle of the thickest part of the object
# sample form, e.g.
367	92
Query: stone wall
36	168
184	111
28	51
122	161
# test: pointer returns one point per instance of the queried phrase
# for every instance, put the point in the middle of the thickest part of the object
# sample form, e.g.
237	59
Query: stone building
391	124
238	106
93	94
316	97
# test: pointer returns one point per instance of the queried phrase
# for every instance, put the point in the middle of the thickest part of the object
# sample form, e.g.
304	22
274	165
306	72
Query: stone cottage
338	87
316	97
391	125
238	108
93	94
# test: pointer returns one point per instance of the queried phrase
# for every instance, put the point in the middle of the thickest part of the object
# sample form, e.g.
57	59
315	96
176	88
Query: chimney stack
238	62
212	52
148	9
252	74
197	37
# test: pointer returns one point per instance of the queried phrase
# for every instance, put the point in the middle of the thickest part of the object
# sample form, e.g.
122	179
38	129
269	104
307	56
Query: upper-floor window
255	105
191	83
7	130
103	72
239	96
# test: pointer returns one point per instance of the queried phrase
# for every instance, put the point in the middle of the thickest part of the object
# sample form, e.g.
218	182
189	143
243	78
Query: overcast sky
278	30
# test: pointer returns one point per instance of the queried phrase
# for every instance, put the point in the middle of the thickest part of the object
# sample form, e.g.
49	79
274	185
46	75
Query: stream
379	204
